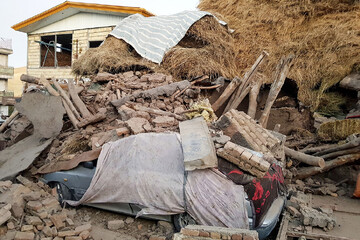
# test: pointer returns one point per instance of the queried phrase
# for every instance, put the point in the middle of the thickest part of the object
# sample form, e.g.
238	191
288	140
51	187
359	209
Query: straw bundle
323	34
206	49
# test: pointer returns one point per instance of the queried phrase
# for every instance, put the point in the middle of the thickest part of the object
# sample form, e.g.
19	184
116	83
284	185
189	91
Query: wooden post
47	85
8	120
254	92
305	158
234	100
67	99
282	70
226	94
70	114
310	171
77	101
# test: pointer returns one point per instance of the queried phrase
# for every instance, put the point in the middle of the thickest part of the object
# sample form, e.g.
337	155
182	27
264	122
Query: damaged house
60	35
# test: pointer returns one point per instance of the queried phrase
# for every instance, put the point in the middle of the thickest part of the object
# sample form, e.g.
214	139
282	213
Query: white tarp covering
148	169
151	37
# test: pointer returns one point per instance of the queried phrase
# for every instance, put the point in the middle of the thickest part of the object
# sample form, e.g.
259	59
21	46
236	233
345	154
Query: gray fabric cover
148	169
151	37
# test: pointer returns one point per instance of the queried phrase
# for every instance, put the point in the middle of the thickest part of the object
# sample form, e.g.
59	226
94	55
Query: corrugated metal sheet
81	20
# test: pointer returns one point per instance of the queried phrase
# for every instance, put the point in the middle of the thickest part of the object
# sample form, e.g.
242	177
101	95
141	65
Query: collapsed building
229	95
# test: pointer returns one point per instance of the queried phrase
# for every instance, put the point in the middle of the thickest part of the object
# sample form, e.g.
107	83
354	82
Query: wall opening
94	44
56	50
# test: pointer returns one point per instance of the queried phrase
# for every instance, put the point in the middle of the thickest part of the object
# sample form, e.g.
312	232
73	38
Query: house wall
3	60
80	44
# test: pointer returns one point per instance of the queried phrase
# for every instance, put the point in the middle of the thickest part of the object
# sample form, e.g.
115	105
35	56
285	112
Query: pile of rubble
32	211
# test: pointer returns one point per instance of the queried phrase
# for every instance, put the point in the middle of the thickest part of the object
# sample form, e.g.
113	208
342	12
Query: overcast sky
15	11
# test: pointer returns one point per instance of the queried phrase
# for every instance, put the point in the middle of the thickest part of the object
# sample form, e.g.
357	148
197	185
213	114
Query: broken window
56	50
94	44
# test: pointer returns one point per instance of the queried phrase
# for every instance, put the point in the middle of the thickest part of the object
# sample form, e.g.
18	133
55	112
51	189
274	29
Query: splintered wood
244	131
245	159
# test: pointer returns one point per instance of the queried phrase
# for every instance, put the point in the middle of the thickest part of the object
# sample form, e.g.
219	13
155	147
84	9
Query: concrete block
198	147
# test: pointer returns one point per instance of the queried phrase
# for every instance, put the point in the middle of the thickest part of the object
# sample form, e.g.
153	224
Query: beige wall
82	36
15	84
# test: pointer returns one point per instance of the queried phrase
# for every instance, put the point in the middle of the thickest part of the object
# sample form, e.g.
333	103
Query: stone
66	233
293	211
223	139
26	228
73	238
33	220
128	74
122	131
129	220
5	184
69	222
54	231
10	225
236	237
84	235
58	221
156	78
34	205
82	228
137	125
351	82
165	226
154	237
32	196
5	215
40	227
47	231
190	232
24	236
115	224
164	121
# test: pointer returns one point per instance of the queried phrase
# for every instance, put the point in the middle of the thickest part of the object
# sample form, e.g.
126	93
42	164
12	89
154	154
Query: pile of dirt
206	49
323	35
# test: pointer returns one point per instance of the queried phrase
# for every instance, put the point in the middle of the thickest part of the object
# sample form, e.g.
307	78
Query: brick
58	238
73	238
4	215
164	121
154	237
137	125
122	131
32	196
48	222
10	225
47	231
33	220
40	227
26	228
24	236
69	222
190	232
66	233
84	235
204	234
236	237
85	227
41	215
34	205
5	184
58	220
246	237
115	224
215	235
47	238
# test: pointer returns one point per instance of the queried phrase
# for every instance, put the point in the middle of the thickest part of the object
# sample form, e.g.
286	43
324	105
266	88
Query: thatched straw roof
206	49
323	34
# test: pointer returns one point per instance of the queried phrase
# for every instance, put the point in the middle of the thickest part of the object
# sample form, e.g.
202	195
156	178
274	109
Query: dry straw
323	34
206	49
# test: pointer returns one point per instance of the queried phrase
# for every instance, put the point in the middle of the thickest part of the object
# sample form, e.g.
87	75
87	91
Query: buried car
144	176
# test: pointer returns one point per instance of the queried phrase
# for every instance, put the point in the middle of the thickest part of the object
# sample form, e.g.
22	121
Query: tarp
151	37
148	169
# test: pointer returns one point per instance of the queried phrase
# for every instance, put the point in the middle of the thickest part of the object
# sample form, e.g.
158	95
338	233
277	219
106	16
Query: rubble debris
246	159
8	120
245	132
193	232
44	112
198	148
312	217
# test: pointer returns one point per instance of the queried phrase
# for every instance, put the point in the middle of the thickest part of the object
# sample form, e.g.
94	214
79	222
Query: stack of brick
244	131
246	159
32	212
200	232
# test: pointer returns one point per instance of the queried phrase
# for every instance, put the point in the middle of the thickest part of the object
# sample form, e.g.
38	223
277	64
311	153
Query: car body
72	185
